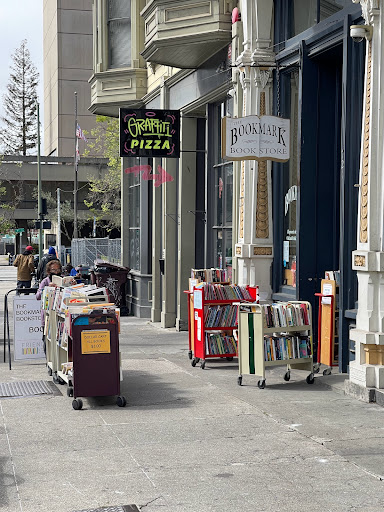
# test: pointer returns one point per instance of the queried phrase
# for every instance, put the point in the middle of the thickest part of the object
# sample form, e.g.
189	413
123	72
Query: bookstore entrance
315	198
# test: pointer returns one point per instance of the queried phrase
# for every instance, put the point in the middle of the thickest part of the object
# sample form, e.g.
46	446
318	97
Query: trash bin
113	277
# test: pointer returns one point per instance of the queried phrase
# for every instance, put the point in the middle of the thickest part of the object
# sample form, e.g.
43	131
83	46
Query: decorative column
254	248
367	371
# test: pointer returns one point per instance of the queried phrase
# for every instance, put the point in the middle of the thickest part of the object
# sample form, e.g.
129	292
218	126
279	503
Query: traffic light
44	210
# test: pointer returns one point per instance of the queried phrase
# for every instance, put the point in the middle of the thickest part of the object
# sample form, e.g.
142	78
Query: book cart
275	335
68	311
206	275
216	319
328	321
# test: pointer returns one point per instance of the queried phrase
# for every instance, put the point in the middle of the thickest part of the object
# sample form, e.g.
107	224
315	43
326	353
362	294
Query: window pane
228	194
304	15
329	7
119	9
134	249
119	33
291	193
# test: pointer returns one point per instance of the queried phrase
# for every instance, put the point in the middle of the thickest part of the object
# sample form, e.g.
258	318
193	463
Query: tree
19	135
104	196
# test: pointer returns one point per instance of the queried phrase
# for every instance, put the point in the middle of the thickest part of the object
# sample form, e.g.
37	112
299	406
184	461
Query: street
189	440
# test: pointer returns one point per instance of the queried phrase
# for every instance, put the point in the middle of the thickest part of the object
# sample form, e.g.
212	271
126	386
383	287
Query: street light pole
39	202
58	225
75	234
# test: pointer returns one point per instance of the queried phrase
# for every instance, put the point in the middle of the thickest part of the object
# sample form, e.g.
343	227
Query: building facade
67	47
277	225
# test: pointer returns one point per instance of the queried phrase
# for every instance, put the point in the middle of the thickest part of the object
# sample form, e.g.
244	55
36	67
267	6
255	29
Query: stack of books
225	292
221	316
279	348
219	343
285	315
210	275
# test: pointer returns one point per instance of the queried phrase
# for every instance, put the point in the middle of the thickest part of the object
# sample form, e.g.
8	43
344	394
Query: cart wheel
56	378
316	368
121	401
229	358
310	379
202	365
61	381
69	391
193	362
327	371
190	354
239	380
287	376
77	404
49	371
261	384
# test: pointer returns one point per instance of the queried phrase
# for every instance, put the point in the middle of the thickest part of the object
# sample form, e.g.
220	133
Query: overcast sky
21	19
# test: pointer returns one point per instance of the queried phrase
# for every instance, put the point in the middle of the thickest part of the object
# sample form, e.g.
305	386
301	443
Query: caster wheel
61	381
77	404
239	380
121	401
310	379
190	354
229	358
327	371
202	365
316	369
287	376
56	379
50	372
69	391
193	362
261	384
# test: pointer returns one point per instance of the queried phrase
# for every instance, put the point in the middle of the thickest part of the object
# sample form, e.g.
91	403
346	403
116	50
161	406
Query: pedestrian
40	273
52	268
25	268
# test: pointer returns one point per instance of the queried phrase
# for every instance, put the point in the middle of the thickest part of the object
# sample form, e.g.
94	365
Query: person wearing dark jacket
40	273
25	267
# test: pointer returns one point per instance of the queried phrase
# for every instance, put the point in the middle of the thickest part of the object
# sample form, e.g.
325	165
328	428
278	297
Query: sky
21	19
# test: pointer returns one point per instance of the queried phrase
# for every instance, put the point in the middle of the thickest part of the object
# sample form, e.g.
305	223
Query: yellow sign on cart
96	342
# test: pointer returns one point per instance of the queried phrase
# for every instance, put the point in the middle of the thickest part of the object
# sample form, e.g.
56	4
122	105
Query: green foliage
19	134
7	222
104	196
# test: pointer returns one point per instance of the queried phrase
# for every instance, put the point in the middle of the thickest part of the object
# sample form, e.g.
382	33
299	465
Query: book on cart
277	334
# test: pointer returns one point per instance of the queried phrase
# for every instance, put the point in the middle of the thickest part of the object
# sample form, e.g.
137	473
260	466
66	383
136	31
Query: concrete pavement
189	439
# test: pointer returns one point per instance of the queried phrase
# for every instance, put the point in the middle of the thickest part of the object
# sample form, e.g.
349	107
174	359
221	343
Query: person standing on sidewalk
25	268
40	273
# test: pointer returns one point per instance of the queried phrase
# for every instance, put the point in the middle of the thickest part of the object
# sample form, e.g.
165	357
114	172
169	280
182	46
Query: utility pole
39	205
58	225
75	234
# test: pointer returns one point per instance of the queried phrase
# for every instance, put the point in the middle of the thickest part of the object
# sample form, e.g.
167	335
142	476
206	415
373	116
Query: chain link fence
84	251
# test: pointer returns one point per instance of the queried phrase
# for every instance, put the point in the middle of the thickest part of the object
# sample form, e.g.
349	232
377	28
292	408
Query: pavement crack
152	501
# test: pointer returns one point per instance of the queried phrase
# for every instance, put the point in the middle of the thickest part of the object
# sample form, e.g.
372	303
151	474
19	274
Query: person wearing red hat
25	268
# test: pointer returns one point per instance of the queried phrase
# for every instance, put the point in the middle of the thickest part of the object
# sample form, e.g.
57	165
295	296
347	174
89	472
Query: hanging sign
255	138
150	133
28	343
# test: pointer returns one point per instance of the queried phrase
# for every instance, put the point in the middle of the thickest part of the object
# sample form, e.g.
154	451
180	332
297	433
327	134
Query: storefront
319	87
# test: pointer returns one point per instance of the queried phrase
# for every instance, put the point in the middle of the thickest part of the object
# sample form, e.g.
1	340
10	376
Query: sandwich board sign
28	331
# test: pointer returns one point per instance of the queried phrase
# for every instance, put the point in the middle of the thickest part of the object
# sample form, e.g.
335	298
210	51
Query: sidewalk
190	440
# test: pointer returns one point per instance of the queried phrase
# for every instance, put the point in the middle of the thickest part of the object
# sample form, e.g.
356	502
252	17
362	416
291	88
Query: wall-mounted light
360	32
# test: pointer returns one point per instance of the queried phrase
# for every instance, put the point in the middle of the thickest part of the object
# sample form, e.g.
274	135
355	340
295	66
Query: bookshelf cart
262	345
328	321
214	324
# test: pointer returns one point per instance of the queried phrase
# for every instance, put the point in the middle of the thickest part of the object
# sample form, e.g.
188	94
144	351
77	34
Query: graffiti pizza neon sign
149	133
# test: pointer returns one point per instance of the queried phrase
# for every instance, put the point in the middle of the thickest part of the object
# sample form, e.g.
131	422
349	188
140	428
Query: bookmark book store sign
256	138
28	331
149	133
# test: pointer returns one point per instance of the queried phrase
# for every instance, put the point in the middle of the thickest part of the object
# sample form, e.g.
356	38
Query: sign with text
150	133
28	331
97	341
255	138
